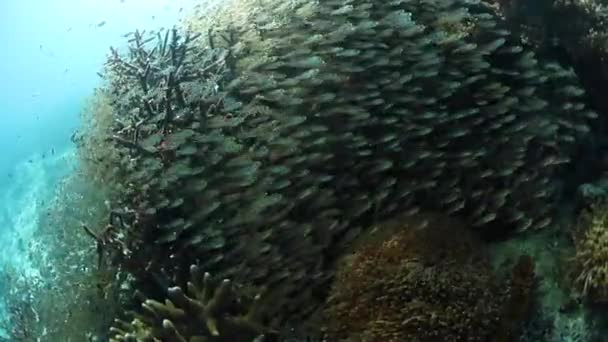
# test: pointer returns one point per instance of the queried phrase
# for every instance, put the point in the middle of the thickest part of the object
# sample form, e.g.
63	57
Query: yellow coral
591	257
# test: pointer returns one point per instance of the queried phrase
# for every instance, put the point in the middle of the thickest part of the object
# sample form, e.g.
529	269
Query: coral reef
264	168
591	259
207	313
420	284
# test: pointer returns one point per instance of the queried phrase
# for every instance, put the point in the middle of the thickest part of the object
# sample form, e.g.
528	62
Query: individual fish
578	106
571	90
101	23
511	49
492	46
487	218
543	223
526	91
542	193
527	60
343	10
525	225
459	132
412	211
381	166
467	47
500	201
456	206
590	114
517	216
451	198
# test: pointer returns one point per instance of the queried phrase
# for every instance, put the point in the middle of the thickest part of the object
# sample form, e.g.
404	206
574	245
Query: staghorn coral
110	240
591	258
428	283
208	313
344	113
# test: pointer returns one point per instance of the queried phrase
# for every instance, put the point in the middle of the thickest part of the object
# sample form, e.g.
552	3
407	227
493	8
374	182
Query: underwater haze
53	51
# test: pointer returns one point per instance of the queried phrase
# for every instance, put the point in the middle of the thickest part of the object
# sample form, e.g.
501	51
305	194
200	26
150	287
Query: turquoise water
52	52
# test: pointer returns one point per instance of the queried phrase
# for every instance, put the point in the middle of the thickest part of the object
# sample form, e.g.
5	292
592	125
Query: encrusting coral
263	170
421	284
591	258
207	313
426	278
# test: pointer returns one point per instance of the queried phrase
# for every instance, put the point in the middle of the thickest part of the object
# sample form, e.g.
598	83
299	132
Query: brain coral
429	284
263	169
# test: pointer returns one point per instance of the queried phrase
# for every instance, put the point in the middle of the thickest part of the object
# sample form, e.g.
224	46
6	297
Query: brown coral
429	284
206	313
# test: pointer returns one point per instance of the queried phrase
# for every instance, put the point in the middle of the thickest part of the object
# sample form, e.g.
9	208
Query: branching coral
111	239
207	313
164	77
591	259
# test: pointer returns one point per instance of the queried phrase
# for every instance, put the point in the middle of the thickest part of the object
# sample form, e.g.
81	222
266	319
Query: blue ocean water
52	52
